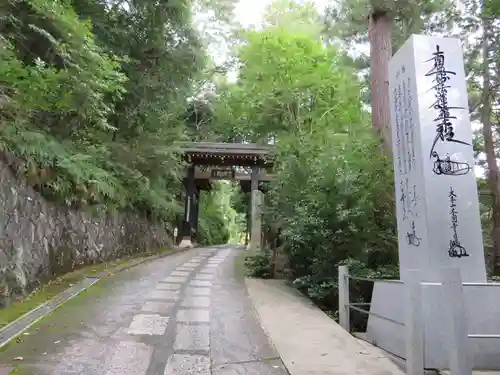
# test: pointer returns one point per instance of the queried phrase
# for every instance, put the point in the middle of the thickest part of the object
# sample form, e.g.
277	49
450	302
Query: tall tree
332	188
490	32
380	54
479	30
385	25
489	145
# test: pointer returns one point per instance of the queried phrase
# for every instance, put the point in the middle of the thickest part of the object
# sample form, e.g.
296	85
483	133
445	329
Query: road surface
188	313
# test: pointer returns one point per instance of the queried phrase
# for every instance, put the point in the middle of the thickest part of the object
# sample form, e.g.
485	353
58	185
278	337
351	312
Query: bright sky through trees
250	12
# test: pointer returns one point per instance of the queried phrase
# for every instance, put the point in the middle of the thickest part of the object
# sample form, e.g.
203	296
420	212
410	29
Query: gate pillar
188	209
256	211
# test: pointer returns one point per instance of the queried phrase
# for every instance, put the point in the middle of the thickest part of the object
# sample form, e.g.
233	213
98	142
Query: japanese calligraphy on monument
456	250
405	155
444	117
436	194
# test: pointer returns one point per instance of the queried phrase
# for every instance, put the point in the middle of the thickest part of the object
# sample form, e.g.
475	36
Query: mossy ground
21	371
45	332
63	320
58	285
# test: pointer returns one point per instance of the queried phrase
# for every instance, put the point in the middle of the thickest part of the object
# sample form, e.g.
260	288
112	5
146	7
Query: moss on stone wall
40	240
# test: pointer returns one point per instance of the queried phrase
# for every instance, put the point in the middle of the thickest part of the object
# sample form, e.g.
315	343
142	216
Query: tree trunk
489	149
380	54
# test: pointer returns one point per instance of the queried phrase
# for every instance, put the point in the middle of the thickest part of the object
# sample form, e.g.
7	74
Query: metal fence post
456	319
414	324
344	298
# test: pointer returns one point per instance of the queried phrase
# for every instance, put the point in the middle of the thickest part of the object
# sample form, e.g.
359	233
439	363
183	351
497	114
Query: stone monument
436	190
256	224
436	199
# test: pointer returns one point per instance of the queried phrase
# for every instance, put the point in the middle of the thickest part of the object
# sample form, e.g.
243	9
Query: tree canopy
331	199
94	93
93	96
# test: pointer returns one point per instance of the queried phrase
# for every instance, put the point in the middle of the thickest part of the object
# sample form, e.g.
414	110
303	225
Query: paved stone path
183	314
319	346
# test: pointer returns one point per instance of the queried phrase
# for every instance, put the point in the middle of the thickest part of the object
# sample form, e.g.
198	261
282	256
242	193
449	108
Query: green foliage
218	223
325	293
291	95
93	96
480	18
259	265
332	203
492	8
332	196
212	229
56	79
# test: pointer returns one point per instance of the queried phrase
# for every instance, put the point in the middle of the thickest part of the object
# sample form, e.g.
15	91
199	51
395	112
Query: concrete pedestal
482	302
186	243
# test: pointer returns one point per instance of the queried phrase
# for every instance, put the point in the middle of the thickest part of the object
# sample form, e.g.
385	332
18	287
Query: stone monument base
482	302
186	243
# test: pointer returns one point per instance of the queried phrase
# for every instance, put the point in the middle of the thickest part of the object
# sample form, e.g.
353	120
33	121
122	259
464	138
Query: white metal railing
414	339
454	305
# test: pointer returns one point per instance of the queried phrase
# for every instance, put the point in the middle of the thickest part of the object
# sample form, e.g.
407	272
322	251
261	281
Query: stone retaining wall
39	240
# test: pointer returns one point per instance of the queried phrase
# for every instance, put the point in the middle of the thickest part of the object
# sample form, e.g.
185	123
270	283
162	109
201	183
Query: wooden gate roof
226	154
